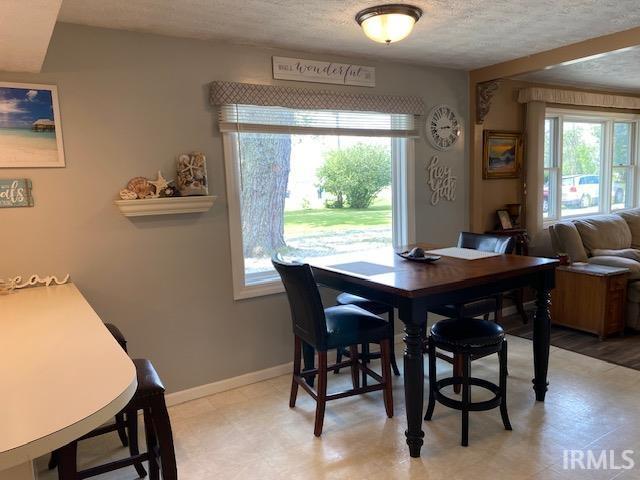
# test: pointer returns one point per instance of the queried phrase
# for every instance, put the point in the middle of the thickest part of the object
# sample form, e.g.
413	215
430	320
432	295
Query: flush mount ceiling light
388	23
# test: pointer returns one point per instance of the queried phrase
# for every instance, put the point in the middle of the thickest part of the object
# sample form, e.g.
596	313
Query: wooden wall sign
15	192
285	68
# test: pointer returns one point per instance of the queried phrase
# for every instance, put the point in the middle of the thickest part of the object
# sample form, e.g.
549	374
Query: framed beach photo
30	128
501	154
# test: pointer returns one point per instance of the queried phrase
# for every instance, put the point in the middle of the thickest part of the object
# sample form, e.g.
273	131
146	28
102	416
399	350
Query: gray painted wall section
130	103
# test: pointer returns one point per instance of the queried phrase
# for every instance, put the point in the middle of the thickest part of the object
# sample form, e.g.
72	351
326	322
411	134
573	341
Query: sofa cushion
604	232
632	217
632	253
566	239
632	265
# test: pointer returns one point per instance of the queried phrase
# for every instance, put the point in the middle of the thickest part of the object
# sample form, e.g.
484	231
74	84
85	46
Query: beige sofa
606	240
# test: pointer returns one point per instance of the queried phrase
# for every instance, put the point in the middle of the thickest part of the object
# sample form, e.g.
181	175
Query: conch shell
141	187
127	194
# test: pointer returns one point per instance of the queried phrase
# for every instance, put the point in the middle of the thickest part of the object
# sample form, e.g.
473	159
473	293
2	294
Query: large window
589	163
312	183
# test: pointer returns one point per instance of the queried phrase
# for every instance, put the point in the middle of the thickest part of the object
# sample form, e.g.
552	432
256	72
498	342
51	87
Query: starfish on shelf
160	184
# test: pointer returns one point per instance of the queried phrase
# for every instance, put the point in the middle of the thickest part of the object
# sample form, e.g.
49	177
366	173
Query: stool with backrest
121	424
377	309
484	306
328	329
148	398
468	337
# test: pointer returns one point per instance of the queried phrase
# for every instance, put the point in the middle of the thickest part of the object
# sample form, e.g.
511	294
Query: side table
590	298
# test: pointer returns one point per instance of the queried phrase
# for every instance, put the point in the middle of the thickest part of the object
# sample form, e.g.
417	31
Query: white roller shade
270	119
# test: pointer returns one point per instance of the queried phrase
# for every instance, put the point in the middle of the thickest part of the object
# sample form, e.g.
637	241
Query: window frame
403	213
607	120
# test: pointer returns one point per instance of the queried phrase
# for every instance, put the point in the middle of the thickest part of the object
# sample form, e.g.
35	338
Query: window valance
574	97
226	93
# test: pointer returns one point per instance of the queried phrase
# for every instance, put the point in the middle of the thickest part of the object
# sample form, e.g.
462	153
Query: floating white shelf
165	206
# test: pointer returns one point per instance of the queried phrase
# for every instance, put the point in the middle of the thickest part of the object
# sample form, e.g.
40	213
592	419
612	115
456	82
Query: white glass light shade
388	28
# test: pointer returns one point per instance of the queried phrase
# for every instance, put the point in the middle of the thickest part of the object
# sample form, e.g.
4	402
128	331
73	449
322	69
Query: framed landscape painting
30	129
501	154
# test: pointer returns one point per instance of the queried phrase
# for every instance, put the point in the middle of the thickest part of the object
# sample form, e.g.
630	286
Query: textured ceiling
25	31
455	33
613	71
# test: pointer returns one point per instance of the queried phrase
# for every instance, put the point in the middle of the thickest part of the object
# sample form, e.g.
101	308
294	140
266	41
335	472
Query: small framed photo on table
505	220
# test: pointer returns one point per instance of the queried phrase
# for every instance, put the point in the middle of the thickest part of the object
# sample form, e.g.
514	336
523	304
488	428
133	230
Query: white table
62	374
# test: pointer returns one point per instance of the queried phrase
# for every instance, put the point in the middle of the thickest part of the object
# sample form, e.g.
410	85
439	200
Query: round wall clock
443	127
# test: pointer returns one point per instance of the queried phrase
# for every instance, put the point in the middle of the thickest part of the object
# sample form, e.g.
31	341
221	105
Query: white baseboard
200	391
227	384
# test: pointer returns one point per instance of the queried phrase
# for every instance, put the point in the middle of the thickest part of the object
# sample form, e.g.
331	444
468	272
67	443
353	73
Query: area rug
624	351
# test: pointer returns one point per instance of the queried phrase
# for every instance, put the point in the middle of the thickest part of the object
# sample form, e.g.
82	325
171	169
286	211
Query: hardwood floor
618	350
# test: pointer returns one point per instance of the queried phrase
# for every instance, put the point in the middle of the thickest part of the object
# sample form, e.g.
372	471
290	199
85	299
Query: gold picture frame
501	154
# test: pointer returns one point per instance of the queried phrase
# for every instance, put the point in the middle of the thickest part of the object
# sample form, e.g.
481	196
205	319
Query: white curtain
534	182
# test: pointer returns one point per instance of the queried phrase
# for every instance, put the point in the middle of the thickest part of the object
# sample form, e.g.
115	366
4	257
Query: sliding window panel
622	171
550	186
582	162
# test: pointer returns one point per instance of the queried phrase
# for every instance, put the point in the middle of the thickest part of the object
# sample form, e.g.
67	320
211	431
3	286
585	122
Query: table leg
308	355
414	387
541	341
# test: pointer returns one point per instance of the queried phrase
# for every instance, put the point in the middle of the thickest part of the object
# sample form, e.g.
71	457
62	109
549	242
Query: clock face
443	128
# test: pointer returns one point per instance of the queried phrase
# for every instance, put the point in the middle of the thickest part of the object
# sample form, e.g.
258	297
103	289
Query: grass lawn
336	218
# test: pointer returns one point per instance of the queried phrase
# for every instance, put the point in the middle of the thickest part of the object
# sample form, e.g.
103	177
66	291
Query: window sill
263	289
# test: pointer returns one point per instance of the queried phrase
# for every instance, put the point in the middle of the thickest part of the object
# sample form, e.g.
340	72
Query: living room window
590	163
309	183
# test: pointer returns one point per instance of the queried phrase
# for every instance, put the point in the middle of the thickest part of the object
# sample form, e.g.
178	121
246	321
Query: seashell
170	191
141	187
127	194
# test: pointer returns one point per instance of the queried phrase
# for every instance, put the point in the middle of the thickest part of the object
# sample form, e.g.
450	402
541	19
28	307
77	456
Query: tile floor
250	432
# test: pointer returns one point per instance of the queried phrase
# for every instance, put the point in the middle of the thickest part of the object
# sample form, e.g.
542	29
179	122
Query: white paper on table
463	253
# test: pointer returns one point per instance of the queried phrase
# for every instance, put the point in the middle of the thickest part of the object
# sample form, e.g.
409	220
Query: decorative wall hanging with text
285	68
15	192
441	181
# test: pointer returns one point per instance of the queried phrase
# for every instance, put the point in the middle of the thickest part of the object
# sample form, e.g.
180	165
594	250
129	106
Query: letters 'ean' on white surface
62	373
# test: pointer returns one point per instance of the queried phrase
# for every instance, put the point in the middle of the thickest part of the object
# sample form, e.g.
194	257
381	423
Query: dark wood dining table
414	288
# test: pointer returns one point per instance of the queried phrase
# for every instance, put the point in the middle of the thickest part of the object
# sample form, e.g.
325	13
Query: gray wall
130	103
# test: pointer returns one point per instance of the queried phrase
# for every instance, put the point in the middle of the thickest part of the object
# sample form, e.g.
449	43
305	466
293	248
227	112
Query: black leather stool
468	337
376	308
149	398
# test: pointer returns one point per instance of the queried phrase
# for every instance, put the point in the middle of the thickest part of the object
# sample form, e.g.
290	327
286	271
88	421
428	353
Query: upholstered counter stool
468	338
338	327
149	398
377	309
